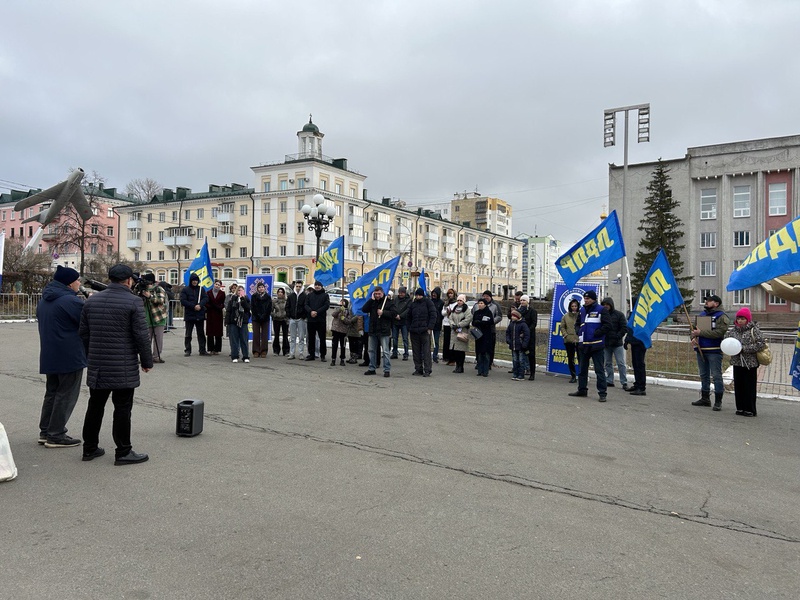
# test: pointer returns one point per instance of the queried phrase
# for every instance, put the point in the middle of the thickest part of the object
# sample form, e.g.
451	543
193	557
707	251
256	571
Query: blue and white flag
775	256
361	289
2	251
330	266
795	372
421	281
202	266
601	247
657	299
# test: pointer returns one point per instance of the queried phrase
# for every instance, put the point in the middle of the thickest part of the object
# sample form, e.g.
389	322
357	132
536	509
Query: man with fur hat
194	300
421	321
61	356
706	344
155	312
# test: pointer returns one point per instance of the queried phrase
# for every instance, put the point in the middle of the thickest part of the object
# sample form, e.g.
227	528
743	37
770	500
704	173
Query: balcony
354	219
380	244
224	217
470	246
431	236
449	240
430	251
502	261
447	255
134	224
469	257
134	244
226	239
381	226
483	259
178	241
353	240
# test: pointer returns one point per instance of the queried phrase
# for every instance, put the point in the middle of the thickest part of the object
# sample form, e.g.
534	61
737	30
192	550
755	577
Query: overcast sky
424	98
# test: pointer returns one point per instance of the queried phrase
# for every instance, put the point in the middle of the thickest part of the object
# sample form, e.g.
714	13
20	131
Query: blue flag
795	372
202	266
421	281
361	289
330	266
657	299
601	247
775	256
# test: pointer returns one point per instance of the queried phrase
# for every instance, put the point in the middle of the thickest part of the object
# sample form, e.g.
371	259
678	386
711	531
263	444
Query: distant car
336	294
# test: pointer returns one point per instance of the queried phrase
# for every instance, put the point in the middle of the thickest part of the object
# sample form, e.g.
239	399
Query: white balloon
731	346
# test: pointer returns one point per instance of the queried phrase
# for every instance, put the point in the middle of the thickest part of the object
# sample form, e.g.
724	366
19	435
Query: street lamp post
319	217
609	139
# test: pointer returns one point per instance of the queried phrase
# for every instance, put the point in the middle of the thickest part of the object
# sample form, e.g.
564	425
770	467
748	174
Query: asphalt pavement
314	481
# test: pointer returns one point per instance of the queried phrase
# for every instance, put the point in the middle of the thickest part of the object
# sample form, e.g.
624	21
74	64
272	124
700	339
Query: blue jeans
519	362
483	363
598	358
396	329
618	354
384	342
710	367
238	338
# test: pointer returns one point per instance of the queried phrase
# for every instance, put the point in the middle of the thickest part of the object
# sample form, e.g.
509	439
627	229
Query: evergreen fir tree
662	229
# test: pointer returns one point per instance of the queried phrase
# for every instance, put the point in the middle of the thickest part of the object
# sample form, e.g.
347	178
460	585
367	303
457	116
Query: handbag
476	333
462	336
763	356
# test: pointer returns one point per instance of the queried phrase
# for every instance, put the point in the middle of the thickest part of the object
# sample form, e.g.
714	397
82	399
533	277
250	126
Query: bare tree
97	267
31	269
73	233
143	190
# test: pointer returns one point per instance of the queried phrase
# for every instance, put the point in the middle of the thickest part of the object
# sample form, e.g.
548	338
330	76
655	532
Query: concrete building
261	229
731	198
539	255
482	212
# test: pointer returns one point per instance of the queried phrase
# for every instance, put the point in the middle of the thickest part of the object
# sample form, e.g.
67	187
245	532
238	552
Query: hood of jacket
610	301
55	289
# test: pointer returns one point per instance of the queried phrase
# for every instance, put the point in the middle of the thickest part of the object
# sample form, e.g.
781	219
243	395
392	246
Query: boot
341	362
717	401
533	376
705	399
333	362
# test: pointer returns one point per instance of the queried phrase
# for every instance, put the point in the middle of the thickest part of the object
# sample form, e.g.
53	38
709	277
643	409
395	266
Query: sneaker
405	356
236	360
515	379
291	357
638	393
247	360
426	374
98	452
602	398
187	353
417	373
625	386
386	374
370	372
609	385
63	442
42	439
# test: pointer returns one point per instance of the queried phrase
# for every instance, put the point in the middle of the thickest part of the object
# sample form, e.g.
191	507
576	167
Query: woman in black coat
483	320
531	318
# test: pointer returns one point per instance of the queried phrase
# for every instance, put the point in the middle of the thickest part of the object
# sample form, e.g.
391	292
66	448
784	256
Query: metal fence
671	355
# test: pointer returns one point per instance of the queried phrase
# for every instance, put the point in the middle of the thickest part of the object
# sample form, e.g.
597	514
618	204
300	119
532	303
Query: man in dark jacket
593	324
421	321
615	338
438	304
400	325
261	309
114	334
61	356
382	315
194	300
317	304
296	313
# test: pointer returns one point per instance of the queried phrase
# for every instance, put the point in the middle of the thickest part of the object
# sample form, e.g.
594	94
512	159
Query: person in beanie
341	318
400	325
483	320
381	313
215	318
614	350
530	317
194	300
261	310
745	364
237	317
61	356
518	337
593	324
438	304
280	322
707	341
114	335
421	319
155	312
296	313
317	304
497	316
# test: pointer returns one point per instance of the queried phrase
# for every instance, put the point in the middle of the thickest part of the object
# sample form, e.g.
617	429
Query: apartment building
731	198
539	255
481	212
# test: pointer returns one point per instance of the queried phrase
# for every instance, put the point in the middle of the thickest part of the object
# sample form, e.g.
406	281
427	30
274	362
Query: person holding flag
706	343
194	300
382	314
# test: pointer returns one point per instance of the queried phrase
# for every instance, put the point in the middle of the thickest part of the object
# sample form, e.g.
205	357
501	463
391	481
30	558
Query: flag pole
689	320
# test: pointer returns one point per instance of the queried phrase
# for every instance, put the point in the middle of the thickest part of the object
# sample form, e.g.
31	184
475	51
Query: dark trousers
598	358
365	347
214	343
316	329
493	335
745	384
638	352
281	331
421	351
483	362
338	342
201	337
572	348
437	333
447	354
397	329
260	337
121	425
355	346
458	357
60	397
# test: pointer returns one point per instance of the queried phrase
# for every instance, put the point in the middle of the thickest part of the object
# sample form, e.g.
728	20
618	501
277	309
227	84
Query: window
707	292
110	212
136	256
214	212
160	255
300	250
708	268
149	236
283	250
213	253
227	273
109	249
200	233
174	255
708	204
266	207
109	231
213	232
242	273
92	248
301	183
227	252
148	256
185	255
775	301
243	230
283	229
741	201
323	184
300	202
265	186
95	229
242	252
777	199
737	264
300	227
265	251
741	238
283	207
283	185
187	215
149	217
174	216
243	210
162	217
741	297
299	273
338	188
200	213
708	239
266	229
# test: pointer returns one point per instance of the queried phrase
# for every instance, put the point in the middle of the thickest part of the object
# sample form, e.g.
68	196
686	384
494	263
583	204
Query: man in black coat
382	315
194	300
615	339
421	321
402	302
61	358
114	334
317	304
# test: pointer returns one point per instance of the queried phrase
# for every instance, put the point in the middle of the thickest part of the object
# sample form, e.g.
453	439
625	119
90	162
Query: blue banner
556	350
250	284
657	299
202	266
422	282
361	289
330	266
601	247
775	256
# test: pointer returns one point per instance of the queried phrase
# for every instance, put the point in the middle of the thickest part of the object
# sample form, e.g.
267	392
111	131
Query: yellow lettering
660	282
781	242
329	258
604	240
